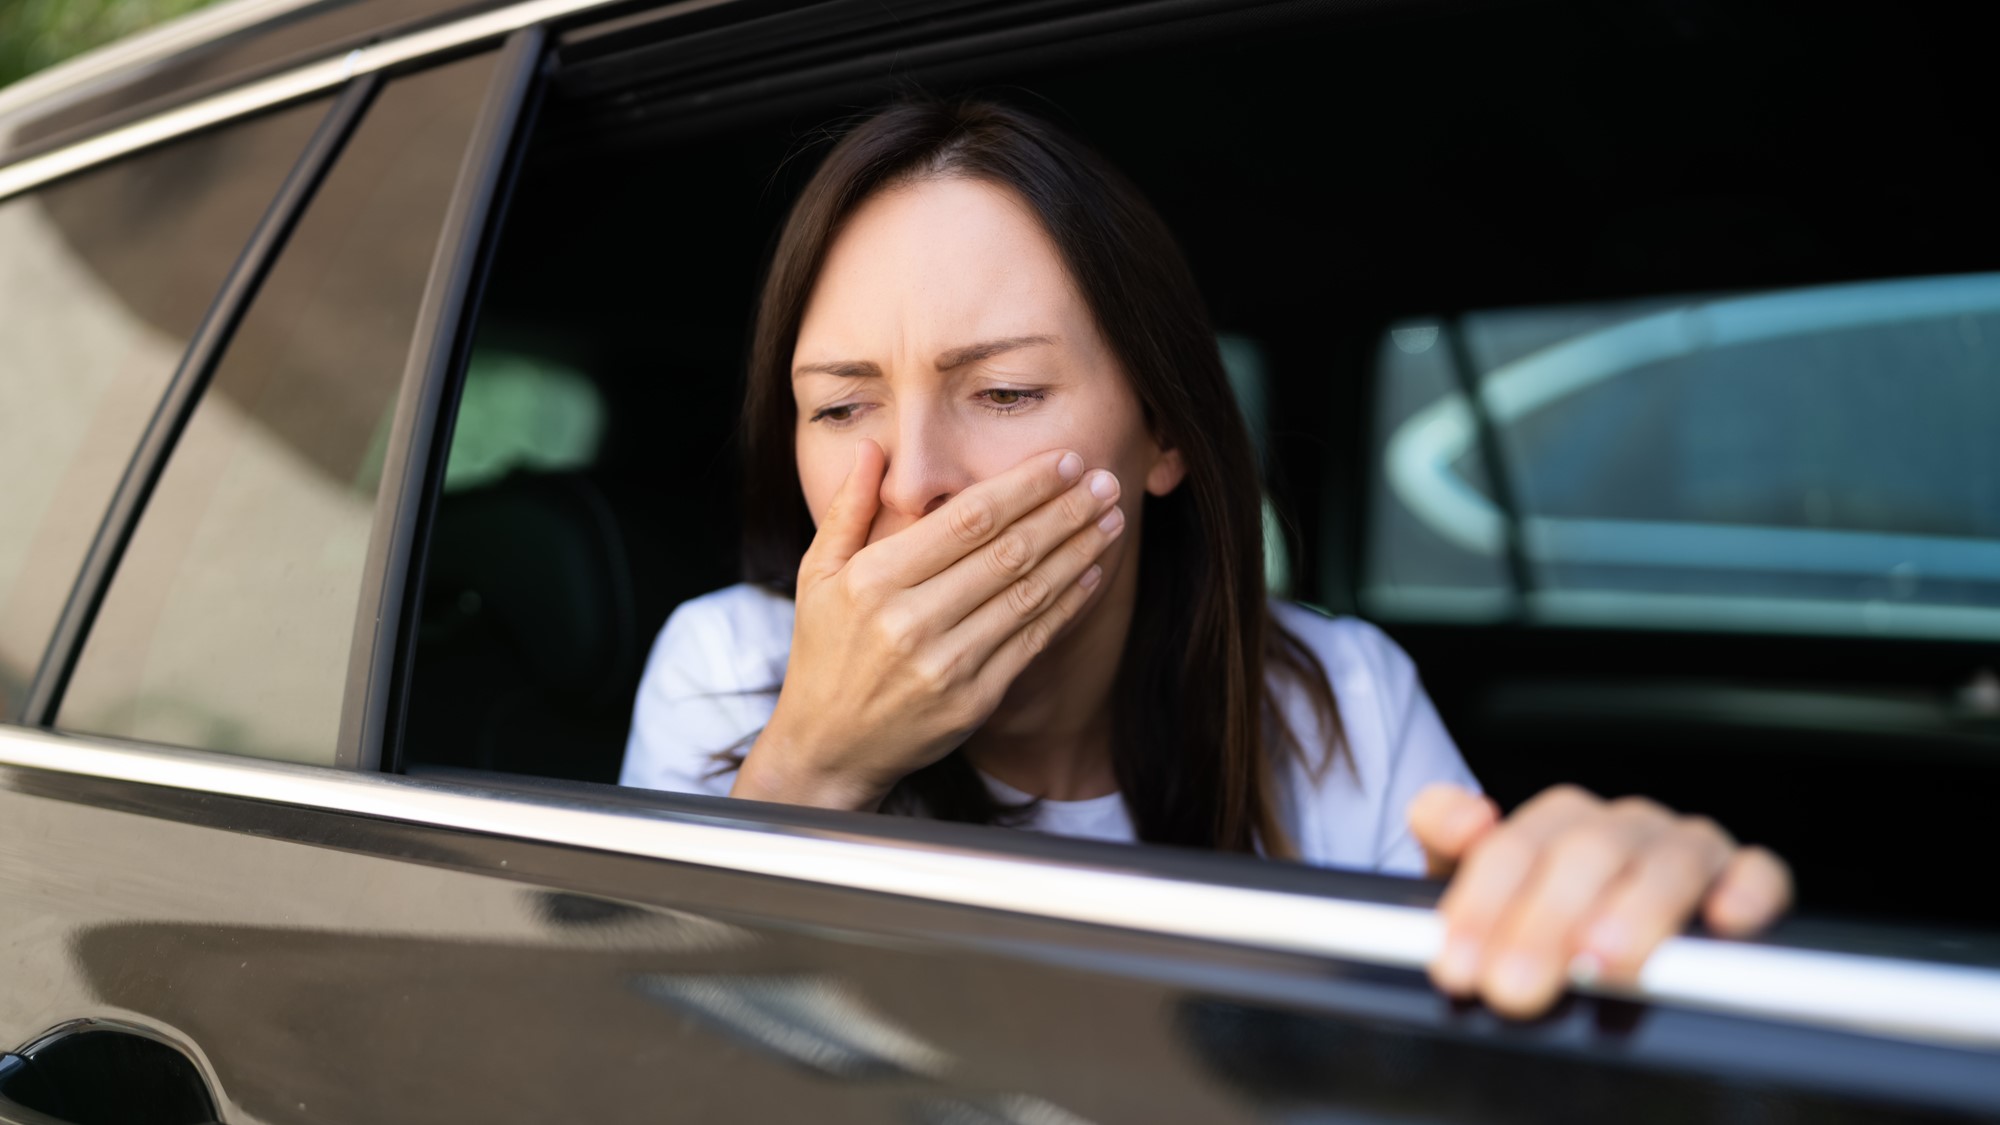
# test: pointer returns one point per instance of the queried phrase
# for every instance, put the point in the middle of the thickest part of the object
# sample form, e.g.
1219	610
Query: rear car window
104	277
230	620
1816	460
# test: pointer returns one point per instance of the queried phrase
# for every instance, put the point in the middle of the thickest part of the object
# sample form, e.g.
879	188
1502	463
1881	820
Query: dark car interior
1331	169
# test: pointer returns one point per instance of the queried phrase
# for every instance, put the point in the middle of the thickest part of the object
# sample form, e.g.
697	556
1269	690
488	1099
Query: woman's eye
1007	401
844	412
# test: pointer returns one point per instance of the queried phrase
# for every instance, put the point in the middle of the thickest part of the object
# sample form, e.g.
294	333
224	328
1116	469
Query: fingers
1011	565
1754	890
1530	955
1016	626
844	529
1492	876
1574	885
1654	900
1447	820
975	516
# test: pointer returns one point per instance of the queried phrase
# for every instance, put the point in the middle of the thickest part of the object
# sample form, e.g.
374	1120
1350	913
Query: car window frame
380	655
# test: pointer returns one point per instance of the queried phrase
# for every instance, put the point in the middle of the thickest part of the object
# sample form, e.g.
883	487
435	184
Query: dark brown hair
1197	731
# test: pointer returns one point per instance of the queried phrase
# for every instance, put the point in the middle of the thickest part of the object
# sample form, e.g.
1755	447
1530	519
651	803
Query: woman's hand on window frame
1576	886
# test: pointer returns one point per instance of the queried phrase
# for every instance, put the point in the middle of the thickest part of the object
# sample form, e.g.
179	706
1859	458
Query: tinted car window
229	622
103	279
1816	459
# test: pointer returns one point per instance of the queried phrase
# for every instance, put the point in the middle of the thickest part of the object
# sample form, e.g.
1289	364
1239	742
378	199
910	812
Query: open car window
1499	393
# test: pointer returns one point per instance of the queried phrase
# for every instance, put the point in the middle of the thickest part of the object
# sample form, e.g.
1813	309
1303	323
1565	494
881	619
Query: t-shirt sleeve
695	703
1421	751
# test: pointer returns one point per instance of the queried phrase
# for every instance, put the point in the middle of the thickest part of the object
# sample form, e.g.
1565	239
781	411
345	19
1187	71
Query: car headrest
538	562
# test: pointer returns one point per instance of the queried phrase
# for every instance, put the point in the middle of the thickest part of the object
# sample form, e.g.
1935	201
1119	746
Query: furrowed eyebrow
845	368
987	349
946	361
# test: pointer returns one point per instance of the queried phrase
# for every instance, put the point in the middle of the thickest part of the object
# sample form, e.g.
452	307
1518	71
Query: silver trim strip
145	48
292	85
1946	1004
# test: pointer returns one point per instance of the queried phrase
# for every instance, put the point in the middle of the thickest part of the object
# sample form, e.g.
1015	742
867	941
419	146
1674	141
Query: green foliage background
38	33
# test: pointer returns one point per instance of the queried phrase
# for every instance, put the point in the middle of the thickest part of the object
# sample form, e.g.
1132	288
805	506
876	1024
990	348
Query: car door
217	904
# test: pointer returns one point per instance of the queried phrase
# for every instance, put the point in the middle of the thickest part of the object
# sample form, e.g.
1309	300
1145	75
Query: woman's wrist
779	769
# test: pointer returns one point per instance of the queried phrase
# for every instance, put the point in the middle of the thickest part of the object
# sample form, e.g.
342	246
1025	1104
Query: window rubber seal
381	656
184	390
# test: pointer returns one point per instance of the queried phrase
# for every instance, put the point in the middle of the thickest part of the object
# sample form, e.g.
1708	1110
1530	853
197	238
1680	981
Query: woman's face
945	327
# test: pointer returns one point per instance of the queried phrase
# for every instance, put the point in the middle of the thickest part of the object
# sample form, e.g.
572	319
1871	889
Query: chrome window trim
299	82
134	52
1950	1005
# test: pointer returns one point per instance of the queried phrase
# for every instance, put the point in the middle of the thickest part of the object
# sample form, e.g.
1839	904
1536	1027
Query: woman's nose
923	471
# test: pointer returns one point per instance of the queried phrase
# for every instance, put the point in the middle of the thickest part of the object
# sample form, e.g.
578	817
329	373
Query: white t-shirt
708	687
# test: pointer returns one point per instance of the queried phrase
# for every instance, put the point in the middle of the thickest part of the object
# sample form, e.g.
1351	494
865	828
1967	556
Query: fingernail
1071	467
1103	485
1458	964
1090	577
1112	521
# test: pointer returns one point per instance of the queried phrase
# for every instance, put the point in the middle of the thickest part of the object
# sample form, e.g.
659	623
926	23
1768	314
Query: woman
1004	534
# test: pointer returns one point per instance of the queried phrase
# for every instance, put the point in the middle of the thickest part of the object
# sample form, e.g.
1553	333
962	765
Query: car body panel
324	965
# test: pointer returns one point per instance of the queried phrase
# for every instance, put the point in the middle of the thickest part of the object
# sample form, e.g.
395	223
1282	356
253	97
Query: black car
1636	366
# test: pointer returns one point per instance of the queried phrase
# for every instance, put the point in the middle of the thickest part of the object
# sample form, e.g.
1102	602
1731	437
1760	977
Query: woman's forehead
935	264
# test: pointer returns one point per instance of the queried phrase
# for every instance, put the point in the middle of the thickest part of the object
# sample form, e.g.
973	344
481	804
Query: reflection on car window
103	279
517	412
229	622
1818	460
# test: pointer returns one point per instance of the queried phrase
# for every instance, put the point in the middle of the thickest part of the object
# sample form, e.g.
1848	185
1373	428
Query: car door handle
16	1071
88	1071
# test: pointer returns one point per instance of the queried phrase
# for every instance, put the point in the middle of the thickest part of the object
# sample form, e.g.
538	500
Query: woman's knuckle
1029	595
938	673
1078	506
1704	833
1502	851
1641	808
1679	865
1571	795
864	582
972	517
1036	635
901	631
1587	845
1011	554
1558	801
